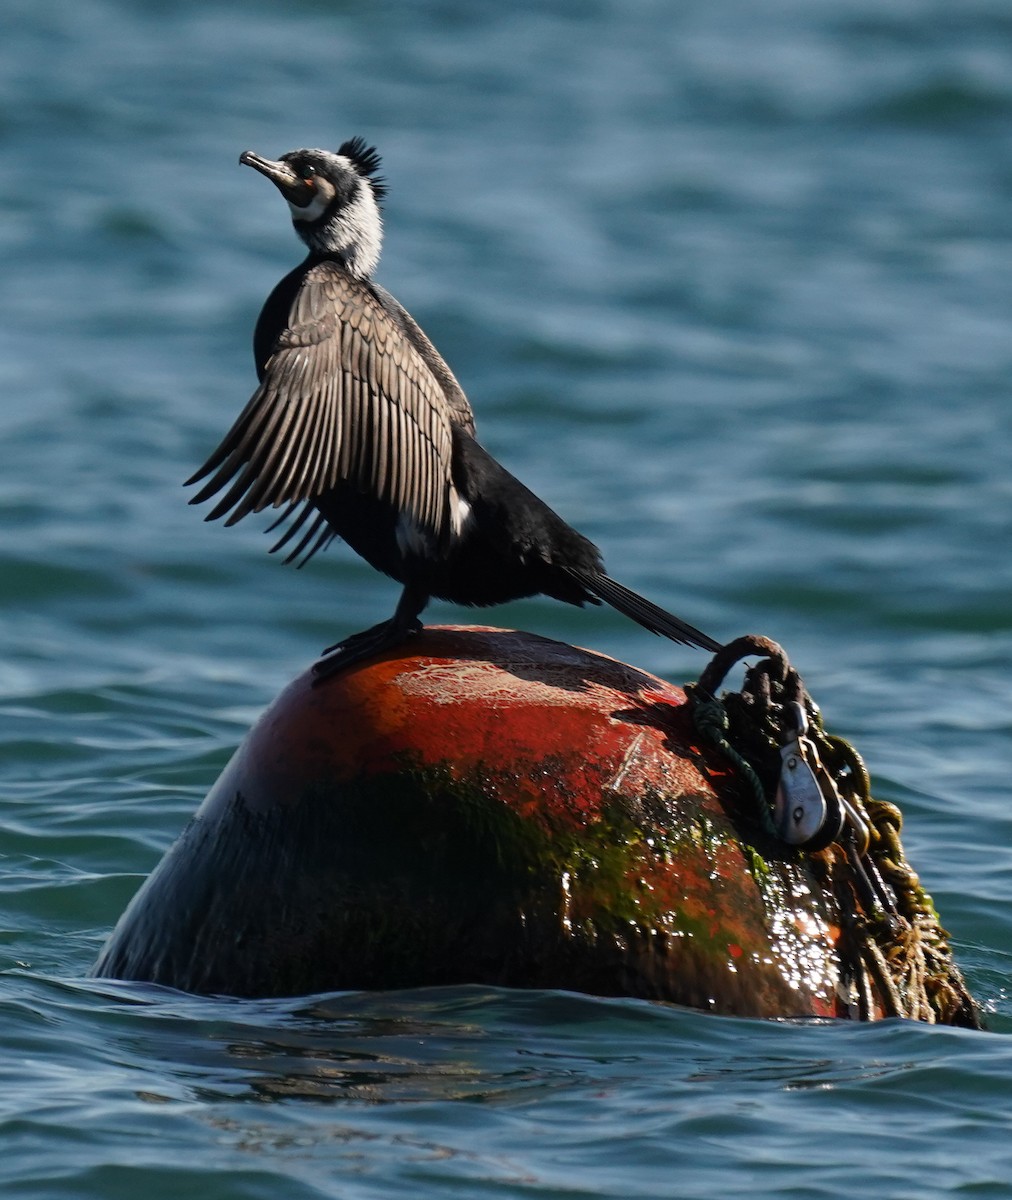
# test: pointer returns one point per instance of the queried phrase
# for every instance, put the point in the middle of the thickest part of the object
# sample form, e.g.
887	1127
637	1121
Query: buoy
486	806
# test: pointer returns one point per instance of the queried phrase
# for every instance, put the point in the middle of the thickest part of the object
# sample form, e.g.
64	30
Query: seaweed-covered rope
893	946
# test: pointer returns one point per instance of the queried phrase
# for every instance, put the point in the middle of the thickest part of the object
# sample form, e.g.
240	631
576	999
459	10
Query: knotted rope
894	953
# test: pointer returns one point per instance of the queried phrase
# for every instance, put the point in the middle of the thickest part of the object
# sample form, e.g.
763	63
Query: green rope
899	951
711	721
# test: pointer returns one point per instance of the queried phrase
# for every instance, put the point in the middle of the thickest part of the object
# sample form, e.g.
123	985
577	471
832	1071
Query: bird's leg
372	641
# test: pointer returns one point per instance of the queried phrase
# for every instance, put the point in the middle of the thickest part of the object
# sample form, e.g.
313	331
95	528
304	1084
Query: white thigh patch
413	539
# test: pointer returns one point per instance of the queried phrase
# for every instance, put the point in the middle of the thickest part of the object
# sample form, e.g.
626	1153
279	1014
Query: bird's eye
308	171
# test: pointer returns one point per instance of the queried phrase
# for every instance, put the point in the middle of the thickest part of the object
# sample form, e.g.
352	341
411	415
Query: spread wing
347	397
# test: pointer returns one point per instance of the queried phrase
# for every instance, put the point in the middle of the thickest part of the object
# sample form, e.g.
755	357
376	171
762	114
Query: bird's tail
637	608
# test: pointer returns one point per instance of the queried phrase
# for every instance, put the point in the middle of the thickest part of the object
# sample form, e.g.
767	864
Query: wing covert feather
347	396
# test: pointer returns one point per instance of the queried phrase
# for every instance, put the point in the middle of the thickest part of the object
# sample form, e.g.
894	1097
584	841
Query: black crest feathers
367	160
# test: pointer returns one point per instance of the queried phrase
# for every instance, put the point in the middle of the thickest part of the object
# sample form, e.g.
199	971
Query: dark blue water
731	286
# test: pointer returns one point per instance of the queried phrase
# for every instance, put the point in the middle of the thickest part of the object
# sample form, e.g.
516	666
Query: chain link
895	953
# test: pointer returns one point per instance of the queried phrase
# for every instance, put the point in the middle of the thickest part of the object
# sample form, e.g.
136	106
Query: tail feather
644	612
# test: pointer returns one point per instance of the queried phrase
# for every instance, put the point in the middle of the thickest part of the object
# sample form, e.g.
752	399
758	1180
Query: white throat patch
313	210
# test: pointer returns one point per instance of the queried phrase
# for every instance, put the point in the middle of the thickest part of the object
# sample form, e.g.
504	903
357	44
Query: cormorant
361	431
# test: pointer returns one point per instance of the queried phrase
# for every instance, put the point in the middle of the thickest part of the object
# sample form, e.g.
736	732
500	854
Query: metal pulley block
808	810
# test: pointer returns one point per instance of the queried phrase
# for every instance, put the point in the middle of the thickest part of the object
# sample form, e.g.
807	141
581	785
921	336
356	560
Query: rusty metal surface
489	807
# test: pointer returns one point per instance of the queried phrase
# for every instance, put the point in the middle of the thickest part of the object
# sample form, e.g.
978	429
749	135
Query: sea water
730	286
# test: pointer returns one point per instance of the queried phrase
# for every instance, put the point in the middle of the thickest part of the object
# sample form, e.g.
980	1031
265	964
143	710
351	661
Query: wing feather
324	438
349	395
269	452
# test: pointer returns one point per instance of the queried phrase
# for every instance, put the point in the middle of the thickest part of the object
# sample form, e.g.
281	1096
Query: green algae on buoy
485	806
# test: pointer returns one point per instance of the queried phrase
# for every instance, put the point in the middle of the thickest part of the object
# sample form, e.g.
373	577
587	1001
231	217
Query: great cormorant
359	430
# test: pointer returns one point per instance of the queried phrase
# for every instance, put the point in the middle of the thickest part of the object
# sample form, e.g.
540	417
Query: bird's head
334	199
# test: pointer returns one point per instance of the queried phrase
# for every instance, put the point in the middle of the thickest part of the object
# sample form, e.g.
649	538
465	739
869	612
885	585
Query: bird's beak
280	174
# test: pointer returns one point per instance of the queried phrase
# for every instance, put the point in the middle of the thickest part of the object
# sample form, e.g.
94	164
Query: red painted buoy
484	806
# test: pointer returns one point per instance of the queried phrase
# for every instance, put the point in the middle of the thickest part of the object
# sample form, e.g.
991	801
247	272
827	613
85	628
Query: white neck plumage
354	231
